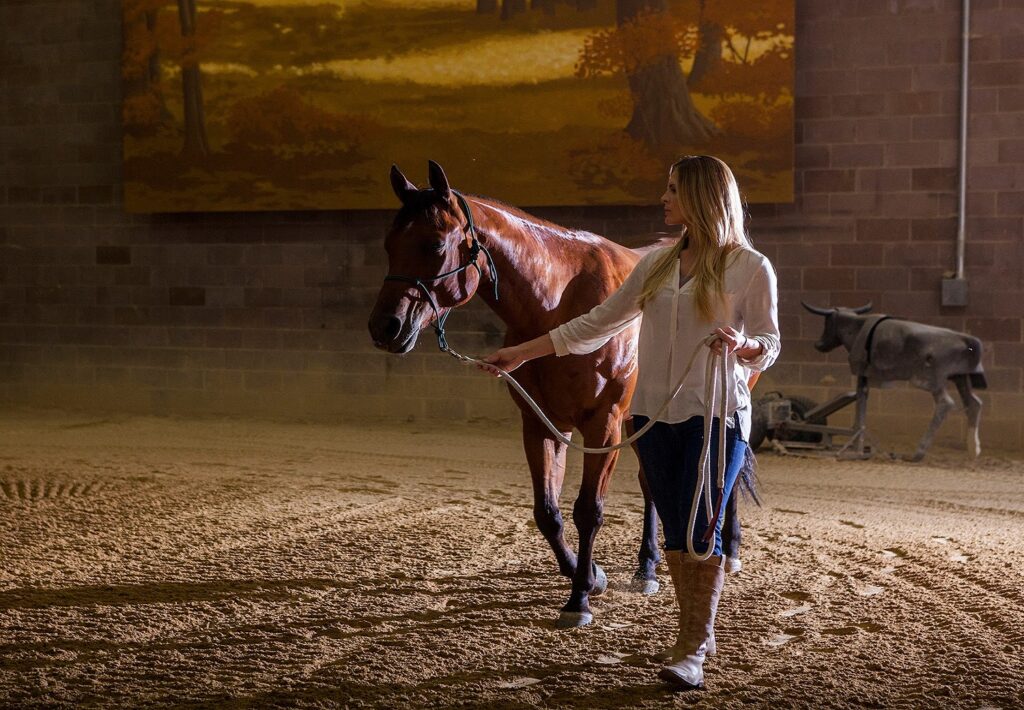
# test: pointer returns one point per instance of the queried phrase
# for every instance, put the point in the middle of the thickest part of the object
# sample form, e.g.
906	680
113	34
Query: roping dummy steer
883	349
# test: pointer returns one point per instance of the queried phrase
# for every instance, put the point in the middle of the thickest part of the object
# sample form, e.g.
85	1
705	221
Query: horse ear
818	311
863	309
401	185
438	180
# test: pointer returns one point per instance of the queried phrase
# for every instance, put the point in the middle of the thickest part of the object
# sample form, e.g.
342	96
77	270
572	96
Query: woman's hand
744	347
512	357
507	359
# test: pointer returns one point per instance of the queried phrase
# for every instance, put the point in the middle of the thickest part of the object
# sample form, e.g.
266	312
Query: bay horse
538	275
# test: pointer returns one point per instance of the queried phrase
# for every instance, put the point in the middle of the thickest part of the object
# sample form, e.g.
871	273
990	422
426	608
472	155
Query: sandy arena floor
241	564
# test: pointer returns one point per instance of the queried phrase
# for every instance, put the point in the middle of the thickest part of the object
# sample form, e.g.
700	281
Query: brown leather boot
698	586
676	651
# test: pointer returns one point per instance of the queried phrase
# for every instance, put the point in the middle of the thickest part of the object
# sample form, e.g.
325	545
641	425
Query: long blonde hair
710	201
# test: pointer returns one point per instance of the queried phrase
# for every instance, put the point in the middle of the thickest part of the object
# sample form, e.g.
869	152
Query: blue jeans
670	456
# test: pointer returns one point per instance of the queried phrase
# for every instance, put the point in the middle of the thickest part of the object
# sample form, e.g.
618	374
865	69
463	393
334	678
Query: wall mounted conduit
954	289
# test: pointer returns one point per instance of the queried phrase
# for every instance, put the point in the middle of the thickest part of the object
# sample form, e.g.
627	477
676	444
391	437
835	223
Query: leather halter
475	247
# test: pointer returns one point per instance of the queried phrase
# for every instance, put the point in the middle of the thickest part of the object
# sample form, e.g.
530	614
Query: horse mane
639	243
519	212
426	203
534	221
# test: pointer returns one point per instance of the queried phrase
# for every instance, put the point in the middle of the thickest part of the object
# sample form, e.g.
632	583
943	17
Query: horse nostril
391	327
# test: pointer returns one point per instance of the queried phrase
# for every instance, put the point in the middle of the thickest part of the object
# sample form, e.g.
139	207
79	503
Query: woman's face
673	212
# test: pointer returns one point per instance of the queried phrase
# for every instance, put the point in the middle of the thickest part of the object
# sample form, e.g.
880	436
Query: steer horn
863	309
818	311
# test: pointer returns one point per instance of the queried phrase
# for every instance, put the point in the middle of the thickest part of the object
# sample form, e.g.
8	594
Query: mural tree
144	109
151	35
752	77
646	46
196	143
708	57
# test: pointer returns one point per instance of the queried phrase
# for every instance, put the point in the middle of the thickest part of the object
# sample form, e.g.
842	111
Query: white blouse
666	344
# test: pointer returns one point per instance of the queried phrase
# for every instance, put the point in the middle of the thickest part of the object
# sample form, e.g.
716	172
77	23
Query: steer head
840	323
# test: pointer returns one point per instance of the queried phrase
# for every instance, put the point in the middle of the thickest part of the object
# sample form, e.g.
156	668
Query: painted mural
304	104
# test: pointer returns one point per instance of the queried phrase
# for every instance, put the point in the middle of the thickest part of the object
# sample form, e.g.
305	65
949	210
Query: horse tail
748	477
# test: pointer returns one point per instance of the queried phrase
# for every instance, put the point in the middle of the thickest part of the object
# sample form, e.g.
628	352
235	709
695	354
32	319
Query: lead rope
704	468
636	435
714	369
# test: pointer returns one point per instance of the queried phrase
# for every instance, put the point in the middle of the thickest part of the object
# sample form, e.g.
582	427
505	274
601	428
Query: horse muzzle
391	334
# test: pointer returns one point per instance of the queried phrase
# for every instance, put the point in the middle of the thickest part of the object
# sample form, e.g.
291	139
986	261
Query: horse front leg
645	579
545	456
588	515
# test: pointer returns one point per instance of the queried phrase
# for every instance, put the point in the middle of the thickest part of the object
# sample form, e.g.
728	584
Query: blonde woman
711	281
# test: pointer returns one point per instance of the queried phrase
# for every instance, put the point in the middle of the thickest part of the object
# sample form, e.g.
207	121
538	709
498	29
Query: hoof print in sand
803	608
523	682
31	490
780	639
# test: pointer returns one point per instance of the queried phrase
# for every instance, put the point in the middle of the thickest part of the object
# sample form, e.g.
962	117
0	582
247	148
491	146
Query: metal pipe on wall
961	232
954	290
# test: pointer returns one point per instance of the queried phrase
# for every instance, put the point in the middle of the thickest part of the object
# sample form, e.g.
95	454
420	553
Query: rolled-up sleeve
760	312
586	333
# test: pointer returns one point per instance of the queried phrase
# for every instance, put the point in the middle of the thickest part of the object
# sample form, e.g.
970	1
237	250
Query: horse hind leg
943	403
645	579
732	535
972	406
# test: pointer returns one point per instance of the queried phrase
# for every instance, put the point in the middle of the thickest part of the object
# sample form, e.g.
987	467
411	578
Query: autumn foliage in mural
292	104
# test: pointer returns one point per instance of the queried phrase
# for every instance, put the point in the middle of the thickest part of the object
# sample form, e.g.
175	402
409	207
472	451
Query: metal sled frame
859	444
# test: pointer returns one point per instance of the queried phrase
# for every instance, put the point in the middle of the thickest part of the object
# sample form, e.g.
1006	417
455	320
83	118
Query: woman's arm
760	312
583	334
586	333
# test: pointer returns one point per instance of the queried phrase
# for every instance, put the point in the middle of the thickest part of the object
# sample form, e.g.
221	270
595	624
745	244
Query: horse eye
437	247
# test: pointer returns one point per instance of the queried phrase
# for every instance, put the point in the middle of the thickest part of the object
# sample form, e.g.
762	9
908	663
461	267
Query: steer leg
943	403
972	405
545	456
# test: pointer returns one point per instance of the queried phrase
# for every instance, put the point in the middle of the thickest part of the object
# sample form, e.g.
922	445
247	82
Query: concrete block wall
264	313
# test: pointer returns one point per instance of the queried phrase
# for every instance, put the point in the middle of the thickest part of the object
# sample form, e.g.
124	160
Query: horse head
831	337
429	248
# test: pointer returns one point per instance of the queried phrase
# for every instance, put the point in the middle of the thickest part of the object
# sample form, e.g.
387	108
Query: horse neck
531	274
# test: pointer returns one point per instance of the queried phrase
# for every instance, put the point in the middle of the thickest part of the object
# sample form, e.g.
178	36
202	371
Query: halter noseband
475	247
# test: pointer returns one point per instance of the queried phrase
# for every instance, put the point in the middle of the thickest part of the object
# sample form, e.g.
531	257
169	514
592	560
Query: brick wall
265	313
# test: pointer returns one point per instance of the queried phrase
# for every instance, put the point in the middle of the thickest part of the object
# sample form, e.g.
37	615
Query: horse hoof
600	581
733	565
647	587
574	619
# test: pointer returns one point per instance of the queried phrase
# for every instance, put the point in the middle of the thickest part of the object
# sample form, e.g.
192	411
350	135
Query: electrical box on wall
954	292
